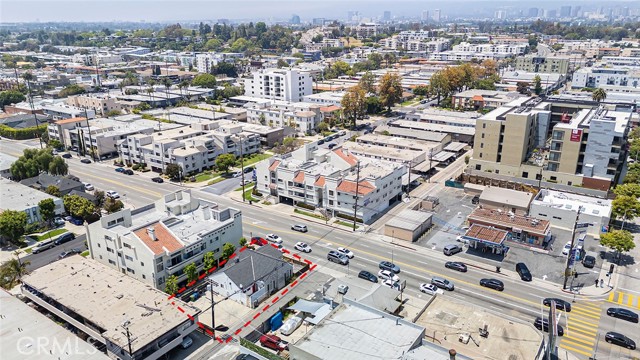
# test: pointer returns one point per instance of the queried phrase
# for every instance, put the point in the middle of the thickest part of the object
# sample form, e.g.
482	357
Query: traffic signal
611	269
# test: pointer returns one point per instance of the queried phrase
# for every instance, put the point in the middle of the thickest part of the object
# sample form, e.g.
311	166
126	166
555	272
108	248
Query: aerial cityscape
194	180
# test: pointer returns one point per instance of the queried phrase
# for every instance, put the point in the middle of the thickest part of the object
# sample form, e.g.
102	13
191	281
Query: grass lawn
344	223
50	234
85	253
27	250
409	102
306	213
254	159
216	180
248	196
249	184
205	176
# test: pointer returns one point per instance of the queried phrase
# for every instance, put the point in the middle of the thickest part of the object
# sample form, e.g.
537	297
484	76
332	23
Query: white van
42	246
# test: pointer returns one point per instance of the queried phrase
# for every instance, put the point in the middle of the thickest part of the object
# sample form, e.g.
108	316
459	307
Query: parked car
623	314
475	200
523	271
387	265
66	156
274	238
85	161
386	274
291	325
566	248
273	342
64	238
391	284
346	252
442	283
237	174
428	289
246	357
76	221
186	342
456	265
331	146
338	258
113	194
248	169
300	228
321	141
68	253
560	304
589	261
367	276
58	221
120	169
258	241
494	284
616	338
88	187
128	172
451	249
543	324
157	179
304	247
42	246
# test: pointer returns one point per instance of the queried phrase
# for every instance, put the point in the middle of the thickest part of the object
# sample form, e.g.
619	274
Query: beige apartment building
541	64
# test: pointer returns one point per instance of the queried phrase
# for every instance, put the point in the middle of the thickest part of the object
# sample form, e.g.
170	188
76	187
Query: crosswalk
581	329
625	299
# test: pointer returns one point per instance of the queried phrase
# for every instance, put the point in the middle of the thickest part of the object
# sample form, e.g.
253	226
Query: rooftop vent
152	233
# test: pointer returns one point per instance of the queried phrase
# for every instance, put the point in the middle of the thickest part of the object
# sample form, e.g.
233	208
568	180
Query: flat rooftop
425	126
397	142
18	197
107	298
382	151
410	134
506	196
572	202
501	218
487	234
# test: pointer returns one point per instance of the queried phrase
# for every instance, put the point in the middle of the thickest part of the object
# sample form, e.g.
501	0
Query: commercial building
524	229
275	84
506	200
408	225
328	180
19	197
458	133
540	64
154	242
130	319
482	99
100	104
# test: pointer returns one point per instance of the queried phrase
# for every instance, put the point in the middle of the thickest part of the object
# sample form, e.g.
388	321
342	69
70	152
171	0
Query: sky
172	10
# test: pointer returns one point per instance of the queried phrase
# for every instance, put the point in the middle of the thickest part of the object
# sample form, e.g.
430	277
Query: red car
273	342
256	240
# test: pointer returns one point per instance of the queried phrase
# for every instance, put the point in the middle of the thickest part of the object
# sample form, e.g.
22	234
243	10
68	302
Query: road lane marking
590	332
574	334
573	320
575	350
579	314
611	296
586	342
572	343
135	188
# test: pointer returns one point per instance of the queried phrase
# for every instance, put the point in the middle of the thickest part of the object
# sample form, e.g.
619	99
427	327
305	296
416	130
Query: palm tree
599	95
150	92
167	84
183	84
11	271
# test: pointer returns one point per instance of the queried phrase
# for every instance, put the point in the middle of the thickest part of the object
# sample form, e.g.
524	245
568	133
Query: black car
543	325
616	338
455	265
321	141
64	238
128	172
494	284
85	161
66	156
368	276
589	261
475	200
248	169
72	177
623	314
523	271
158	180
387	265
560	304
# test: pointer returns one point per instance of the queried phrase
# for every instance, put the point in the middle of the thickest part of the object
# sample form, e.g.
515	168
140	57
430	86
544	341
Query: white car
428	289
391	284
386	274
346	252
274	238
113	194
88	187
304	247
291	325
566	248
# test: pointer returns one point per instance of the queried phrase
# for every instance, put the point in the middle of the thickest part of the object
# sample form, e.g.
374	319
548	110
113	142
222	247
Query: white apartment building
303	117
452	55
59	111
93	59
512	49
329	180
618	79
367	30
207	61
154	242
279	84
326	98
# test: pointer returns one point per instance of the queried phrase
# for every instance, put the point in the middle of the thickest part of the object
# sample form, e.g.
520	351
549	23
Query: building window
109	249
525	174
143	276
112	262
478	167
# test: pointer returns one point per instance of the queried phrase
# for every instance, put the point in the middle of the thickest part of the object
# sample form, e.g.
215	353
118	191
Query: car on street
66	156
543	324
273	342
302	246
616	338
589	261
494	284
346	252
256	240
560	304
387	265
331	146
428	289
386	274
113	194
300	228
364	274
456	265
248	169
442	283
64	238
475	200
566	248
623	314
523	271
391	284
451	249
128	172
237	174
42	246
337	258
120	169
157	179
88	187
68	253
74	148
85	161
274	238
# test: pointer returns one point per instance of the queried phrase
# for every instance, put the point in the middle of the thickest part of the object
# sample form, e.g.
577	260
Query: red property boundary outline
312	266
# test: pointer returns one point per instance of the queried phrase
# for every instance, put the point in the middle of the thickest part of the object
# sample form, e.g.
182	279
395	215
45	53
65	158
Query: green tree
537	85
421	90
323	126
227	250
633	174
375	59
100	198
204	80
112	205
439	85
171	286
632	190
213	44
73	89
522	87
225	161
373	105
618	240
209	260
599	95
367	83
11	272
625	207
243	241
353	104
10	97
78	206
12	225
390	90
47	209
191	271
58	166
173	171
53	191
281	63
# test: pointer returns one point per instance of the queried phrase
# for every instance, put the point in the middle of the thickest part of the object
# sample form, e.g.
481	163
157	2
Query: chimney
206	212
452	354
152	233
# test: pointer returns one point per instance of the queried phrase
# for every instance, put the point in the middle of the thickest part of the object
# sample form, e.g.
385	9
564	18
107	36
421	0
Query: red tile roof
477	98
487	234
274	166
299	178
348	157
320	181
70	120
164	239
348	186
503	220
330	108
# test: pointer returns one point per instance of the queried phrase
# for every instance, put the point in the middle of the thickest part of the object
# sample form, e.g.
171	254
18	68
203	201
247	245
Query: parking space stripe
572	349
571	343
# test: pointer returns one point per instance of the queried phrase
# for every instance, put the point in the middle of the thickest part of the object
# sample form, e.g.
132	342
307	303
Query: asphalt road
48	256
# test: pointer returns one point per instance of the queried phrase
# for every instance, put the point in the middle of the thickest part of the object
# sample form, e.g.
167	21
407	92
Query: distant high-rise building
317	21
425	15
386	16
295	19
500	14
565	11
436	15
533	12
353	16
550	13
575	11
624	11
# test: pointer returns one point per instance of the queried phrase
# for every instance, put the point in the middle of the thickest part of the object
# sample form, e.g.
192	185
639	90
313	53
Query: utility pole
98	83
409	180
93	156
125	326
355	204
573	236
430	160
213	304
242	167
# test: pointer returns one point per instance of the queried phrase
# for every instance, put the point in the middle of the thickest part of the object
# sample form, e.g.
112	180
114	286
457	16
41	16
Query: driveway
225	186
